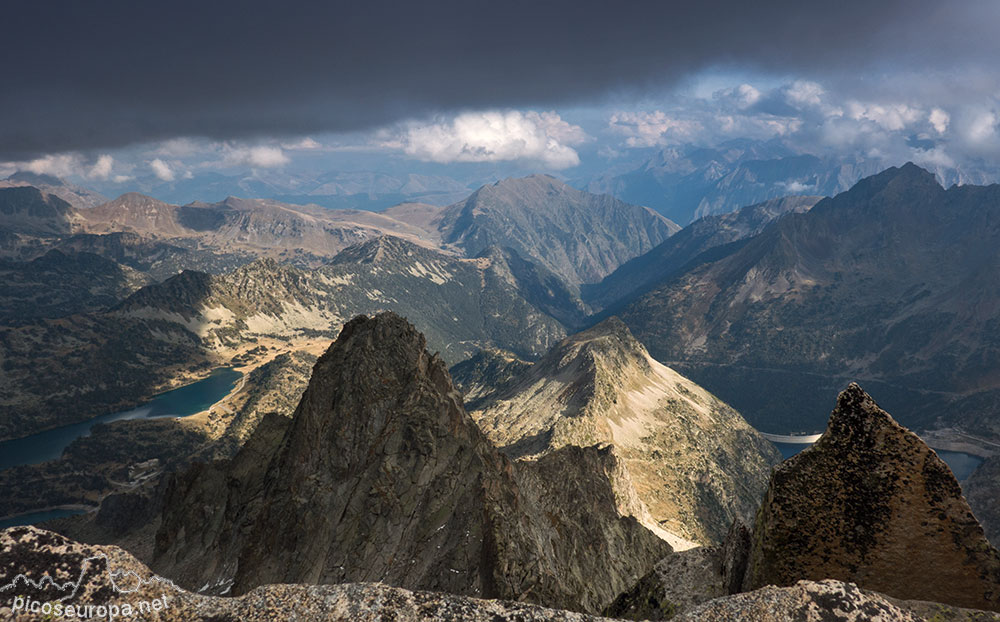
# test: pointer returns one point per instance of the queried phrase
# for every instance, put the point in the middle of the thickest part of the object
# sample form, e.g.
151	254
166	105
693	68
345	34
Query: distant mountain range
366	190
685	183
77	196
893	283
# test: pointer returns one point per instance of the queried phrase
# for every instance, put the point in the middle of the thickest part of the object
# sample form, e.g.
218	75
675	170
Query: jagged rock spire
872	504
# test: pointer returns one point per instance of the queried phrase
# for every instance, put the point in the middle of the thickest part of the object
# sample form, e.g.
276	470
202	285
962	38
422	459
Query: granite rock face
106	576
870	503
694	461
380	475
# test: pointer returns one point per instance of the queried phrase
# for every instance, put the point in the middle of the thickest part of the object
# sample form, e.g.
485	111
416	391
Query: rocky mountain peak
609	335
904	187
676	440
382	476
870	503
857	419
376	250
380	358
535	215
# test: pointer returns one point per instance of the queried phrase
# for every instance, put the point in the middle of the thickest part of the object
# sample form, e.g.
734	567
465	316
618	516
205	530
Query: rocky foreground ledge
45	576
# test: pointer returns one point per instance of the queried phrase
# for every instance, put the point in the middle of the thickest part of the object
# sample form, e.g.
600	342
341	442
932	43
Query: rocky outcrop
806	601
872	504
679	582
381	475
107	577
694	462
85	576
685	579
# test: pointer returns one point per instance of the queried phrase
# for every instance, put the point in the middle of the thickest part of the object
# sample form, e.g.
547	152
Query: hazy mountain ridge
28	210
874	284
678	251
286	231
688	182
77	196
579	236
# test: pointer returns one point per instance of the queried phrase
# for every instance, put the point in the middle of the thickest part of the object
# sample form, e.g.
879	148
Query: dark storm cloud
81	75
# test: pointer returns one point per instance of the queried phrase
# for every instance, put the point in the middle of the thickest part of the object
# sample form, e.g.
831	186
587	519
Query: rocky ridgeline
382	476
693	461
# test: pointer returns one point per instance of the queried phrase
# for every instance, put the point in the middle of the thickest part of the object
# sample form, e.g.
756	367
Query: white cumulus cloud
59	165
102	168
495	136
982	128
805	92
162	170
261	156
939	119
653	128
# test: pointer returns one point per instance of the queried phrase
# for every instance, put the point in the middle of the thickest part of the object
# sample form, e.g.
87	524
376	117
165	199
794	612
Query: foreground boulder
870	503
381	475
39	567
102	581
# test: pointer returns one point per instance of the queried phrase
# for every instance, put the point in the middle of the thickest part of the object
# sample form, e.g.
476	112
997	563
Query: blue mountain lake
181	402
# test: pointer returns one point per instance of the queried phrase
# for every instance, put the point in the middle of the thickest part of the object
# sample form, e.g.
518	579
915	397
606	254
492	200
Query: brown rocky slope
694	462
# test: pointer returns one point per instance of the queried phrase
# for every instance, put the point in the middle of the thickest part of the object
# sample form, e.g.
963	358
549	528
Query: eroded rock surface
872	504
106	576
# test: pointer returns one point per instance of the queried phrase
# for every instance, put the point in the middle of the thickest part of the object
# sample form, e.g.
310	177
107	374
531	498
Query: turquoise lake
181	402
36	517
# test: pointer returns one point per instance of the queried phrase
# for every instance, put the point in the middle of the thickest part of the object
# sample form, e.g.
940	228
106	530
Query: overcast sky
115	90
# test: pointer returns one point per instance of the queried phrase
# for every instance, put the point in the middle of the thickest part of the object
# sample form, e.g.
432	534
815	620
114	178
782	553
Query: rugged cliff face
381	475
872	504
693	460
